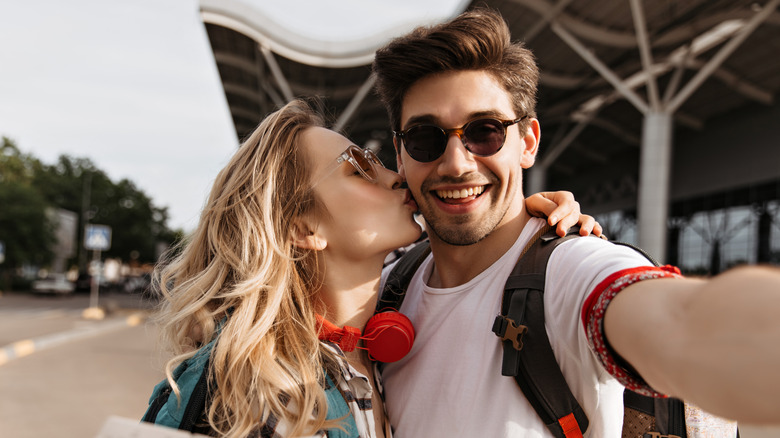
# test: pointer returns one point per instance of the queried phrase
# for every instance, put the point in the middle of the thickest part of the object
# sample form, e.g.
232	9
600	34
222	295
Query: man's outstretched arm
714	342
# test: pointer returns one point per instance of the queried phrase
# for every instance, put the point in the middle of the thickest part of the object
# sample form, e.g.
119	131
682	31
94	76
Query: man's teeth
462	193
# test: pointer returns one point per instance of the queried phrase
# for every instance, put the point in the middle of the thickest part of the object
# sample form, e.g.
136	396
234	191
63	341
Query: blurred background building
661	117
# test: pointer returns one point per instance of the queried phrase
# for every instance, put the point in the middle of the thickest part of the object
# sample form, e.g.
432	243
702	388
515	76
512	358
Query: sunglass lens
364	165
485	137
425	143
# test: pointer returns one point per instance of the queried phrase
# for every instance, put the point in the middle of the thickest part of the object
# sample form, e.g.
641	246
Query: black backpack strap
528	355
400	275
394	291
193	414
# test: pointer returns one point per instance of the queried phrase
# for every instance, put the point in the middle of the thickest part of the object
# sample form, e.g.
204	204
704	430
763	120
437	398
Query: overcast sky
131	85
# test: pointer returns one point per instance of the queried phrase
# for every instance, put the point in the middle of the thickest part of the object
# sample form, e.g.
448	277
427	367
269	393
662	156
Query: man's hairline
400	126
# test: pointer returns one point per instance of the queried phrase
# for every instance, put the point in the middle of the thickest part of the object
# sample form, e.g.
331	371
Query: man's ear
531	141
305	236
398	162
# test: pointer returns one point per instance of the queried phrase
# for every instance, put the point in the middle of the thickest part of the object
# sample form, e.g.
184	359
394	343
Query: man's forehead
455	97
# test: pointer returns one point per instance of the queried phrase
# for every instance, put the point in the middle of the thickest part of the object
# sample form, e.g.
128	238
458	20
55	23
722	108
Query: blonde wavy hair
241	262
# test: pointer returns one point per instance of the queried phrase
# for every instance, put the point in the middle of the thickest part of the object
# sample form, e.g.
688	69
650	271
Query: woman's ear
304	236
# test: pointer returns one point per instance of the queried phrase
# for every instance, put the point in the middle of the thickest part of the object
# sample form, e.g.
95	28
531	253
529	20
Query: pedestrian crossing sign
97	237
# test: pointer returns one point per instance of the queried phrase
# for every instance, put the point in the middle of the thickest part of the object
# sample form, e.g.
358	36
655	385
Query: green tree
62	183
24	226
137	225
28	188
16	166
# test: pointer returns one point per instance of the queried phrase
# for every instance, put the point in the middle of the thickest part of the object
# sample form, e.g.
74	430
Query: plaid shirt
357	392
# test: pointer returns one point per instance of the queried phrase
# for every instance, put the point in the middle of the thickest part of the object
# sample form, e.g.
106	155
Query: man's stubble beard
456	234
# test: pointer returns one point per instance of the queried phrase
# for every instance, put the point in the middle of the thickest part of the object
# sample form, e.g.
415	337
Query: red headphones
388	336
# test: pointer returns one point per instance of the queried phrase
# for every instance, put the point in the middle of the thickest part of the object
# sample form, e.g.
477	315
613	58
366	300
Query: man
698	340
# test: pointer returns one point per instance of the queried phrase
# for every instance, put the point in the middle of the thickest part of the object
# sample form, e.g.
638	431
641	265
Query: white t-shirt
450	384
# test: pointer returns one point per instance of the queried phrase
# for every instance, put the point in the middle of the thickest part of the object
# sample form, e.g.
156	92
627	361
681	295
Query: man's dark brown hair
477	39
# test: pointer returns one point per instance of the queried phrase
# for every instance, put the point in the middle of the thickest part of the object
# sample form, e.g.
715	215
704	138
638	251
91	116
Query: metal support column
353	105
654	171
281	81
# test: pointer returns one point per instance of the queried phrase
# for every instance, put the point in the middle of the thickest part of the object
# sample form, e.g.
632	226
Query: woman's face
361	218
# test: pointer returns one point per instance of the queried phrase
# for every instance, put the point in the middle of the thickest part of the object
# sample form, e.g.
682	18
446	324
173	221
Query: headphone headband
388	336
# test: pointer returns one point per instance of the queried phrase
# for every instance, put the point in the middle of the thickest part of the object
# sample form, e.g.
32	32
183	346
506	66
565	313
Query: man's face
464	197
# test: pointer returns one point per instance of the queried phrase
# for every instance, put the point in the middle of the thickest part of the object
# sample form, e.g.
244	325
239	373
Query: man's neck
455	265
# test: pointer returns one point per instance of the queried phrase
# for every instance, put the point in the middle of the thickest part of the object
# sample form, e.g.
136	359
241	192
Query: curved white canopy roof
343	33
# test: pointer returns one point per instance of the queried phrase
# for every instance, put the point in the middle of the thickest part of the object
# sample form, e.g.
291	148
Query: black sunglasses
482	137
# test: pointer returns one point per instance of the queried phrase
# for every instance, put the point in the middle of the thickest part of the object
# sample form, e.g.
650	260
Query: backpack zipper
197	402
157	404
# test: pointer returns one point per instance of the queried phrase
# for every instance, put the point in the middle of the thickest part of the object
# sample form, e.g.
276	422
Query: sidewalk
25	315
70	389
26	347
30	323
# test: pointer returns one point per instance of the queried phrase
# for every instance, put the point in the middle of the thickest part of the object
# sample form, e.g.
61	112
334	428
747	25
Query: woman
297	225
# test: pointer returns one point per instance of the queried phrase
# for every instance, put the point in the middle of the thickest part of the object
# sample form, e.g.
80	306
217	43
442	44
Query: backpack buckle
506	329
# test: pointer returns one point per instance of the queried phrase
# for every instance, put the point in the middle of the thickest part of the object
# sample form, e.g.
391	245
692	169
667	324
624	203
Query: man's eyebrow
424	119
430	119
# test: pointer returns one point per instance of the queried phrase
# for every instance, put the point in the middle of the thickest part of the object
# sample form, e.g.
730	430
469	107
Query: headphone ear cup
389	336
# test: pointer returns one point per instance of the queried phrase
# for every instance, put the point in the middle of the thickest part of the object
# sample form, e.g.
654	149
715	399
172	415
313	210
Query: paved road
89	370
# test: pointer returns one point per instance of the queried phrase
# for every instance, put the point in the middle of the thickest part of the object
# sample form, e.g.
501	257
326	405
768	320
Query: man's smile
460	194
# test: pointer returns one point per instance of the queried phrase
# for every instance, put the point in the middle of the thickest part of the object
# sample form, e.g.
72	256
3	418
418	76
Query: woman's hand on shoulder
561	209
